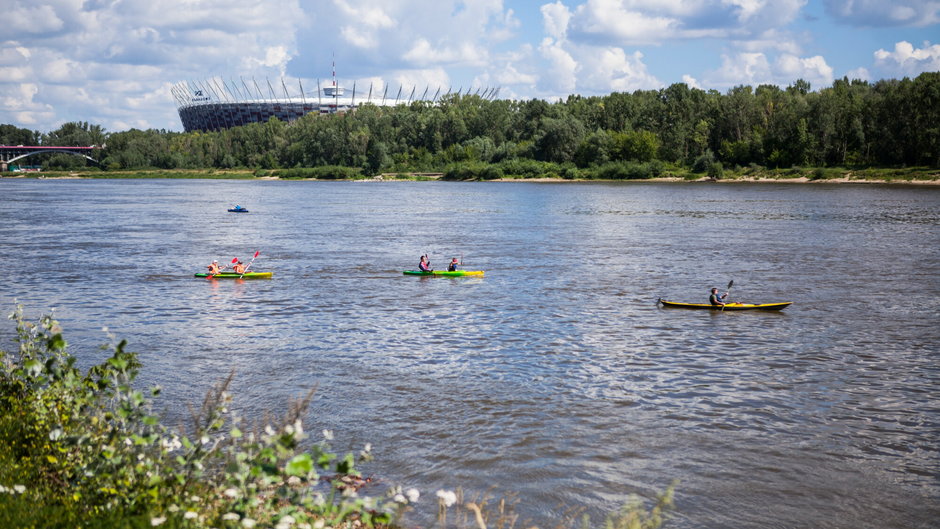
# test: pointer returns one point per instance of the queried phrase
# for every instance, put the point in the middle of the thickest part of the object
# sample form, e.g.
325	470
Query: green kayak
444	273
230	275
728	306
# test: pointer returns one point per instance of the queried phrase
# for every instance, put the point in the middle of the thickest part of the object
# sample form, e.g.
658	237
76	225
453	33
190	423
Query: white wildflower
4	489
269	430
448	497
171	444
248	522
293	481
400	498
127	441
304	526
318	524
20	489
157	521
231	493
412	495
288	519
173	508
195	499
190	515
204	439
299	427
230	516
289	429
328	435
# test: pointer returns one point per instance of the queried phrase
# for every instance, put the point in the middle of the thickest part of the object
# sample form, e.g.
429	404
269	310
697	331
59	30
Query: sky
113	62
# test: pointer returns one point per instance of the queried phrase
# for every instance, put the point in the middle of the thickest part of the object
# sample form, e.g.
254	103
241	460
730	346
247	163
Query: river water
556	376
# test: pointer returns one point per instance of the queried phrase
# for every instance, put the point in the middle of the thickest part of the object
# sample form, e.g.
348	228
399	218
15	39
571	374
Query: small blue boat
238	209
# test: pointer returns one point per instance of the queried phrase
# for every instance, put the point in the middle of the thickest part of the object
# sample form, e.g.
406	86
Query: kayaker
715	299
425	264
452	267
239	268
214	268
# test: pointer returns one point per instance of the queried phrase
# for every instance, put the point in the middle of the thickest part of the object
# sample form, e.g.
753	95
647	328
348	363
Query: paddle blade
256	254
730	283
234	260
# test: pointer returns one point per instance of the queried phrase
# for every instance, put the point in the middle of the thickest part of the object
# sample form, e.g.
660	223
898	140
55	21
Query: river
556	376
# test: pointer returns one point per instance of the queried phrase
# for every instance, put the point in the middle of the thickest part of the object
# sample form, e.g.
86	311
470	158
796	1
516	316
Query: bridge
12	153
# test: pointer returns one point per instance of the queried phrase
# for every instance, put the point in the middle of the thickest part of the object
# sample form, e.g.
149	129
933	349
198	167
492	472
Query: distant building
213	104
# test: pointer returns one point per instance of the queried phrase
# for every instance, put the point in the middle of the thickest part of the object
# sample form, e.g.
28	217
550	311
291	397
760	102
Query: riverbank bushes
86	450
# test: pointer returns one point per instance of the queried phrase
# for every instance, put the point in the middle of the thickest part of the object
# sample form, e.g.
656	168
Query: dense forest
888	123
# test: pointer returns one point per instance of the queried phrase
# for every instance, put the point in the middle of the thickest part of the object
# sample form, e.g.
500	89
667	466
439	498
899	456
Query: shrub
826	173
89	446
703	162
326	172
526	168
715	170
623	171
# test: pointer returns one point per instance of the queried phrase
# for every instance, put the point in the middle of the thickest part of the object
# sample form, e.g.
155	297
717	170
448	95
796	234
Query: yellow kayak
728	306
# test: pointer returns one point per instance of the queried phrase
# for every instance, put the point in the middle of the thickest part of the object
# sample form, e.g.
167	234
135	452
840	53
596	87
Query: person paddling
239	268
452	267
214	268
717	300
425	264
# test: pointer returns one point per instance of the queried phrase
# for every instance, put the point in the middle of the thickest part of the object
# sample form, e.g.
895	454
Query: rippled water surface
556	376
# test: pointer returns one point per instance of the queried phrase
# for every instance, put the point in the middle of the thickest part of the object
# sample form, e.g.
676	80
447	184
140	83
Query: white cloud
561	72
880	13
612	69
691	81
813	69
908	60
569	66
609	21
754	69
555	19
858	73
423	54
620	22
41	19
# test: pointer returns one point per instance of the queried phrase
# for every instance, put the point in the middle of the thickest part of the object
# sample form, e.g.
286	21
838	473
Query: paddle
730	284
249	264
234	260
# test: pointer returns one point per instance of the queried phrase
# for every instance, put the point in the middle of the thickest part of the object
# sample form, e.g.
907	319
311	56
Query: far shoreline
917	177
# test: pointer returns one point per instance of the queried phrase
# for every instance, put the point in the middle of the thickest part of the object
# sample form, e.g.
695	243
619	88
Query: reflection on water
556	375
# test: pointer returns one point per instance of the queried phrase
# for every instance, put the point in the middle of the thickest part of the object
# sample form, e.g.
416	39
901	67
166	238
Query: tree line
852	123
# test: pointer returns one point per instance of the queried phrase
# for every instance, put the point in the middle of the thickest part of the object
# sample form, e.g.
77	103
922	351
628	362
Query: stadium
214	104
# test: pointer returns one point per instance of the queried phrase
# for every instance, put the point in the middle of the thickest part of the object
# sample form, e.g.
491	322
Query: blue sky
113	62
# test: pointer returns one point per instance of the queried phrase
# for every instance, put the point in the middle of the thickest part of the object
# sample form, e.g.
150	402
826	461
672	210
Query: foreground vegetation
85	450
852	124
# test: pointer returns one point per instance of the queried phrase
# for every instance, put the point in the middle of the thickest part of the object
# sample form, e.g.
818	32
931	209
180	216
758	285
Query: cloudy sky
113	62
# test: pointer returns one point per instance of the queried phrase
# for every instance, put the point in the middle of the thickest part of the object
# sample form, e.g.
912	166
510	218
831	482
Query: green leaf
300	465
33	367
